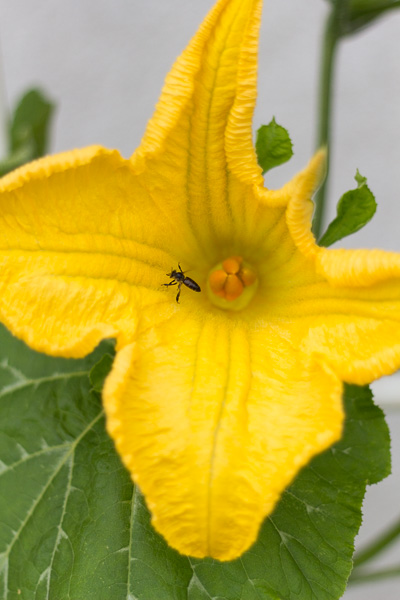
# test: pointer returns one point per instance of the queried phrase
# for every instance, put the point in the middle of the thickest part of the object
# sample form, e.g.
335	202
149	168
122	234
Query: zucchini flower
216	402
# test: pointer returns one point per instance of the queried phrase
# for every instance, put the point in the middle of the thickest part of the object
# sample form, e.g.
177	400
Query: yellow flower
214	403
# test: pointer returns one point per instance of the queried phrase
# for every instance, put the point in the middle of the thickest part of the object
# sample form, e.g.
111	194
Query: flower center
232	283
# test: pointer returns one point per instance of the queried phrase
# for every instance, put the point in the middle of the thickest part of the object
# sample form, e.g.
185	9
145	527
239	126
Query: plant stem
330	40
377	545
366	577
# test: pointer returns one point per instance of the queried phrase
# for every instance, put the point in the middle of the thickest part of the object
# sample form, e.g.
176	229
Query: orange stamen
233	287
247	276
229	281
232	265
217	282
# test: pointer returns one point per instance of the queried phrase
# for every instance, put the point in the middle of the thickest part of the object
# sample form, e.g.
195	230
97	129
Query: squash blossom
215	403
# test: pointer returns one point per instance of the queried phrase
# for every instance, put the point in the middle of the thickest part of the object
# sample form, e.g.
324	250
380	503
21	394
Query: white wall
104	61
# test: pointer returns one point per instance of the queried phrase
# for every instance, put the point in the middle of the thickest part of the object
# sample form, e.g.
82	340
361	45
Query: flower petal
203	125
355	322
209	95
213	422
345	303
300	207
359	350
357	268
349	322
77	254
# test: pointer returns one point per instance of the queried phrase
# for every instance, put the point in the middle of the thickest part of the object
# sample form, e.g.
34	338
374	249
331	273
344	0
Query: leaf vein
60	530
9	389
65	457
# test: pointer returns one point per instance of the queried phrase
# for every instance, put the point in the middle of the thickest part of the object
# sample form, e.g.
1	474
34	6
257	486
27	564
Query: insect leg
179	292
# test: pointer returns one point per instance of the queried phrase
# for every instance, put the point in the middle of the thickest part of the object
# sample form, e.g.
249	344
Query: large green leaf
65	498
73	528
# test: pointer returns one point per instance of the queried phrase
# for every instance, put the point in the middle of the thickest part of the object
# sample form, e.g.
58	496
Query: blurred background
103	64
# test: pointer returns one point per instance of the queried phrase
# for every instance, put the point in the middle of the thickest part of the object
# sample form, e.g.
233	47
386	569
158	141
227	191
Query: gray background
103	62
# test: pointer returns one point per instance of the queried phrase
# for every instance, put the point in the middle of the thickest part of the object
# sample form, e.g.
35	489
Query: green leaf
365	12
30	123
354	15
354	210
365	6
65	500
16	159
72	526
28	131
273	146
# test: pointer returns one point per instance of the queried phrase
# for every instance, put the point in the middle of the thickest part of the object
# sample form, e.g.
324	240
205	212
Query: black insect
179	278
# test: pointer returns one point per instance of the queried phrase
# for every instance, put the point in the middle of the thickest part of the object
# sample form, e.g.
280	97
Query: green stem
367	577
377	545
341	21
330	40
